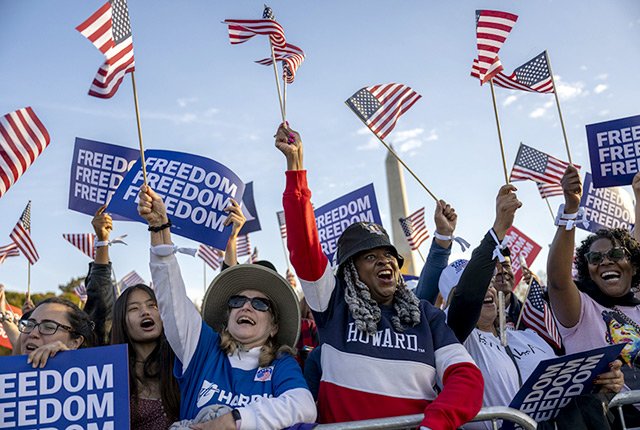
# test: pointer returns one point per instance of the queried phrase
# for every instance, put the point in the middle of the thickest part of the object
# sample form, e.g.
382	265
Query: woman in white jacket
238	355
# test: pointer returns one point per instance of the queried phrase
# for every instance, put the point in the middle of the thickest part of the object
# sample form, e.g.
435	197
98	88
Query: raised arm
311	265
100	294
445	219
180	318
563	292
13	334
466	303
237	219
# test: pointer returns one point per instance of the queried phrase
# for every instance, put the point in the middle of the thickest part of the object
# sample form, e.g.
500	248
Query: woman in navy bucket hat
383	350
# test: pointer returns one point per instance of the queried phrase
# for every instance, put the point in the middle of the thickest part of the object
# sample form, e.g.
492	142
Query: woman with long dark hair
154	391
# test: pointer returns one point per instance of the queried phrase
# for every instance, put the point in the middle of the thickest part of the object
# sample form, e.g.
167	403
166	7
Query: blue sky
199	94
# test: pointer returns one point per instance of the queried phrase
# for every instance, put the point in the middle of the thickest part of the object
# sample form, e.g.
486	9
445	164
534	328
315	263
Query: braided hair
366	312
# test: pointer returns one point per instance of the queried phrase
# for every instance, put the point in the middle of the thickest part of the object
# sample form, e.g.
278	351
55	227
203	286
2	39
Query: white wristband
460	241
110	242
497	252
571	220
165	250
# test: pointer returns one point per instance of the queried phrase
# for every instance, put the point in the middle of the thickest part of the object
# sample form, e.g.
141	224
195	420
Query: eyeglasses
614	254
258	303
44	327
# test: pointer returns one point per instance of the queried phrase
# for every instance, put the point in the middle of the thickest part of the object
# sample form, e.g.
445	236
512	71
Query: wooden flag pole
135	98
553	217
275	71
495	110
395	155
204	269
28	279
421	256
115	278
555	92
284	92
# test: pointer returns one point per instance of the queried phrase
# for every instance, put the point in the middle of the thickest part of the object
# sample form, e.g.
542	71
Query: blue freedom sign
82	389
606	207
555	382
195	191
334	217
614	150
97	169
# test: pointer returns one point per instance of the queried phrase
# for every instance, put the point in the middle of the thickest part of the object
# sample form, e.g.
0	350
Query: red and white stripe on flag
22	139
549	190
109	30
132	278
282	223
415	229
241	30
82	241
81	292
509	82
243	245
210	256
291	55
380	106
10	250
21	235
537	315
492	29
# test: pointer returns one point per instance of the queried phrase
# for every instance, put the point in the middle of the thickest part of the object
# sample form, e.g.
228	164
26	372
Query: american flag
533	76
415	229
21	236
81	291
132	278
210	255
22	139
492	29
549	190
537	166
82	241
282	223
291	57
243	245
380	106
241	30
110	31
8	251
254	257
537	315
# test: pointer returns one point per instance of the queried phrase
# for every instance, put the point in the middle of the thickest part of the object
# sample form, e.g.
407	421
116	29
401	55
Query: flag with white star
537	315
537	166
380	106
533	76
109	30
415	229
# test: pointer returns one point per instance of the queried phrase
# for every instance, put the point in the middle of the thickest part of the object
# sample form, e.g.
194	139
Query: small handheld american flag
414	229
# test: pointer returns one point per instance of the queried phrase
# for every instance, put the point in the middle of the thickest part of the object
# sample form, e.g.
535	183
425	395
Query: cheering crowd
378	349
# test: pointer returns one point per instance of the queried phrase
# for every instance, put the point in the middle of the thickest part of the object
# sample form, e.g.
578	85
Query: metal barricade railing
405	422
624	398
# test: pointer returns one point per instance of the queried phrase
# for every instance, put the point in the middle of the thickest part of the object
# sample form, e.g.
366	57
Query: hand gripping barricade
625	398
406	422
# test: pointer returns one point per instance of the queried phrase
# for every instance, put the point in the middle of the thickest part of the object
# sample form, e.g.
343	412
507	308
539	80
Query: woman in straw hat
382	349
238	353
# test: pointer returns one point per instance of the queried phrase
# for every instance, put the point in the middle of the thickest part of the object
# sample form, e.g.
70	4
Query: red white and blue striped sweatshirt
389	373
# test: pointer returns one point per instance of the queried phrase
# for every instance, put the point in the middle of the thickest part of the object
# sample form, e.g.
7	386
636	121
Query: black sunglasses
614	254
258	303
44	327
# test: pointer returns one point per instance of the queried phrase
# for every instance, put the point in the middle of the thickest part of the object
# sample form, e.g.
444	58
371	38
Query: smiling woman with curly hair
598	308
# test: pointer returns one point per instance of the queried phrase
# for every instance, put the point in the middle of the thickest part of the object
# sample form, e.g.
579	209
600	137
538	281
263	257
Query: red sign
4	340
521	245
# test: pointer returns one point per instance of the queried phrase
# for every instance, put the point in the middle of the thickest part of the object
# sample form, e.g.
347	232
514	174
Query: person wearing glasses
598	308
234	364
54	325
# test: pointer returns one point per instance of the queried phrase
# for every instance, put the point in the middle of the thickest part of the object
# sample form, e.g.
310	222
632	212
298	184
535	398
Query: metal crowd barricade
624	398
407	422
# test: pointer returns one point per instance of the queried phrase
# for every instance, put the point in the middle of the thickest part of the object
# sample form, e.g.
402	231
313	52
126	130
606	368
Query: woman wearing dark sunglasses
238	354
607	264
54	325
